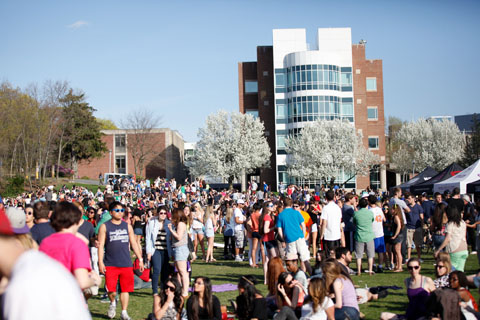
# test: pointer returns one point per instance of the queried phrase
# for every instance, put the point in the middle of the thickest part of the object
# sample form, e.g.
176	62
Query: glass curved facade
314	77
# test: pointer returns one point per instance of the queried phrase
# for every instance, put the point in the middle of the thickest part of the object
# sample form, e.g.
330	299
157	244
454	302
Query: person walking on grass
115	238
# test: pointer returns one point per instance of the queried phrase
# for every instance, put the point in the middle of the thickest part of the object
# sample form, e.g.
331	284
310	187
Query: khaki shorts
414	236
298	247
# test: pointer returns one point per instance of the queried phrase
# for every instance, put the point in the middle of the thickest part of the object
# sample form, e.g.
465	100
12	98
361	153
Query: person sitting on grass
169	304
341	287
443	267
292	266
250	304
202	304
317	304
418	291
290	297
458	282
275	268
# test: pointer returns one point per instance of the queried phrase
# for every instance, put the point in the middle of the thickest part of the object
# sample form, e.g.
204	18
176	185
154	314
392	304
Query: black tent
427	186
423	176
473	187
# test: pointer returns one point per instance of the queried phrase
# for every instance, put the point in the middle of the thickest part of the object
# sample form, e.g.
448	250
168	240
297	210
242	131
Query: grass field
223	271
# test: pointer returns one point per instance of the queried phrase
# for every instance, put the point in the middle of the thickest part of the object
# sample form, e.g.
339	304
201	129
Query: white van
109	176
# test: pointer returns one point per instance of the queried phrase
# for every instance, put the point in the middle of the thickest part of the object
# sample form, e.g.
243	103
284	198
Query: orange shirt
308	221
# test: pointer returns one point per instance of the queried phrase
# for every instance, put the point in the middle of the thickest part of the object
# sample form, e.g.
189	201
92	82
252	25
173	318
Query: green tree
81	138
472	146
106	124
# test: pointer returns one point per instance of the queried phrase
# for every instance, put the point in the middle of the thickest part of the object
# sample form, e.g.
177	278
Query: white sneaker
473	252
112	310
238	259
125	316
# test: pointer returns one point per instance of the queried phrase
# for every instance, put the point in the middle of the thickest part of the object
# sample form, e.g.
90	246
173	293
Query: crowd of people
66	240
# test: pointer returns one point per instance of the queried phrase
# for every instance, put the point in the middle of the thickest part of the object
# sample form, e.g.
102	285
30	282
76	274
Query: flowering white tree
230	145
428	143
324	148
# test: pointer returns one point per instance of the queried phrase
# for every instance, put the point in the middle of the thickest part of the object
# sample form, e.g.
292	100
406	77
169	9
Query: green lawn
229	272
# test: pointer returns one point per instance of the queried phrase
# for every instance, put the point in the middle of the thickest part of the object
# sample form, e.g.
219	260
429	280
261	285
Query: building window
375	178
281	111
372	113
120	164
266	103
265	73
120	143
359	101
251	86
373	143
280	142
371	84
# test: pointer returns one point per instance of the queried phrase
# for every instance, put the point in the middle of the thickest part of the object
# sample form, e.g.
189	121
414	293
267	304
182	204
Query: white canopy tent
460	180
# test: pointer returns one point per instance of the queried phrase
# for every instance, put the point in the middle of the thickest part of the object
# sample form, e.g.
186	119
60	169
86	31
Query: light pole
413	167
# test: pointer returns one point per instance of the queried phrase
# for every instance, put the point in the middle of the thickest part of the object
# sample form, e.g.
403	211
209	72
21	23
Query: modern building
291	84
161	149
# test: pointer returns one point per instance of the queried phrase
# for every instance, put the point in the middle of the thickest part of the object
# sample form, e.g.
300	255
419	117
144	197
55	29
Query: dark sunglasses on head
413	267
119	210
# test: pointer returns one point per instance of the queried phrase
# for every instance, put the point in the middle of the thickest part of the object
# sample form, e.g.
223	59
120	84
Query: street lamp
413	167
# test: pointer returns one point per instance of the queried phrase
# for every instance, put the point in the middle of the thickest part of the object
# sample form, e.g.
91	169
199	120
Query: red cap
5	227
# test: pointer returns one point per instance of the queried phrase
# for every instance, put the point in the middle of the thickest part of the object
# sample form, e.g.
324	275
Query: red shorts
125	275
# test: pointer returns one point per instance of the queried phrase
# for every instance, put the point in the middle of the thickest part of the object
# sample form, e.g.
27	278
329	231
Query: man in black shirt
42	227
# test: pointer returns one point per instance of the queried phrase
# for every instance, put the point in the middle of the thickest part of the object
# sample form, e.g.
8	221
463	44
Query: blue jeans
347	313
159	261
437	240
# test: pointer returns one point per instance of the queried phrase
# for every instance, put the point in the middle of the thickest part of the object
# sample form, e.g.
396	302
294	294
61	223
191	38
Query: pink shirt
68	250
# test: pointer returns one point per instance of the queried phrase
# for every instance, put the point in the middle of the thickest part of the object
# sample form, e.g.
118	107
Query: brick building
162	149
290	85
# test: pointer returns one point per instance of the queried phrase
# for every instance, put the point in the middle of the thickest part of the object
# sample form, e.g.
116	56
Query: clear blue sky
179	58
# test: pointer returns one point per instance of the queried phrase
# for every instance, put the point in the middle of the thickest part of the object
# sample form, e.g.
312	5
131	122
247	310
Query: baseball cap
240	201
17	220
5	227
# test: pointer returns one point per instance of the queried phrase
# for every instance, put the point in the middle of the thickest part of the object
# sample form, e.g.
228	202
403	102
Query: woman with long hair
198	228
202	304
250	304
397	238
318	305
228	227
169	304
456	240
158	246
290	297
266	229
388	232
439	224
346	304
275	268
178	230
210	225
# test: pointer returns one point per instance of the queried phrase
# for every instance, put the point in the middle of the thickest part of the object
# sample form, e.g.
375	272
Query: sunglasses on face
439	266
119	210
162	212
290	282
29	213
170	288
413	267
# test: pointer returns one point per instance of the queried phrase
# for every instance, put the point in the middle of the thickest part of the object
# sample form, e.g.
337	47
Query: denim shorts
181	253
197	231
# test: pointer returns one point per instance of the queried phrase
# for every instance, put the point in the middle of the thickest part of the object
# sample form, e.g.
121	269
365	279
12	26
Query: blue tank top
117	251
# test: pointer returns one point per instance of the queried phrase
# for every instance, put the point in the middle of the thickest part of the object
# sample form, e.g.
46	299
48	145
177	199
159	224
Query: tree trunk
230	183
75	166
60	147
